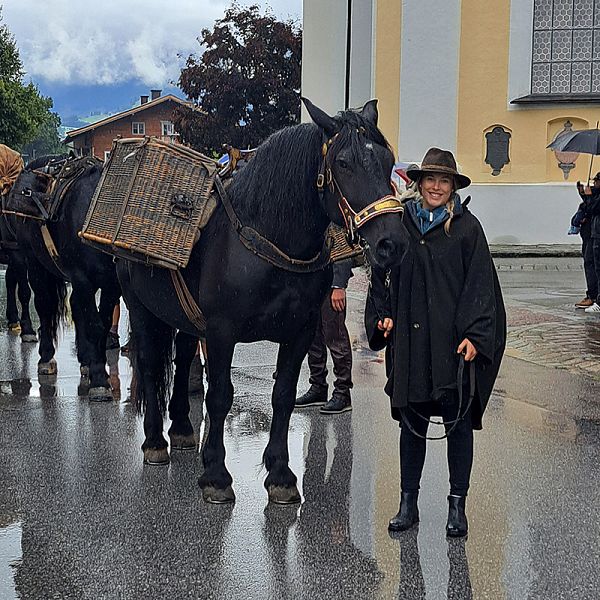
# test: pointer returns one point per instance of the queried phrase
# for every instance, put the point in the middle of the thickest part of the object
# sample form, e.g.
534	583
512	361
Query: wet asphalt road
81	517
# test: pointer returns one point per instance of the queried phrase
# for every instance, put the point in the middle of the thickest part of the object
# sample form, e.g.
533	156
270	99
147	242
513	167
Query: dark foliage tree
23	111
246	83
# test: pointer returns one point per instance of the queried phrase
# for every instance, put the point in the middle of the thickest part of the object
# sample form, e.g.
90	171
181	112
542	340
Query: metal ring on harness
460	414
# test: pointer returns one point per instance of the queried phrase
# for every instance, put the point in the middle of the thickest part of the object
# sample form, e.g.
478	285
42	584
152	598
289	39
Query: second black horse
55	255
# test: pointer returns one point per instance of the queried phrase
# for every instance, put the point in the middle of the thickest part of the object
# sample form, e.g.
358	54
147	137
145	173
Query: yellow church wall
388	21
483	103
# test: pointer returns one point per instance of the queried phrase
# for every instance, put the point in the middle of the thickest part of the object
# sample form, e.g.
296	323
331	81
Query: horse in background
17	282
55	255
255	274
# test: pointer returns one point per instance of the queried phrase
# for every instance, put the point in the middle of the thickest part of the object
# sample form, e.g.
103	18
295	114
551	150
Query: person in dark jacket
582	222
591	198
331	333
441	317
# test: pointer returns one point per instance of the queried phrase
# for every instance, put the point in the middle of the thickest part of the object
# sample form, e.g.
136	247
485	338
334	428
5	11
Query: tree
46	140
246	84
23	111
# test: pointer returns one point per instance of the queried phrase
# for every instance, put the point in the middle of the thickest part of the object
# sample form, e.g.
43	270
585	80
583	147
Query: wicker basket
151	202
341	249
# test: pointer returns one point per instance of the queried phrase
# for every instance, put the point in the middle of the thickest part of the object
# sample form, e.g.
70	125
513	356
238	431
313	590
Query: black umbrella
584	140
579	140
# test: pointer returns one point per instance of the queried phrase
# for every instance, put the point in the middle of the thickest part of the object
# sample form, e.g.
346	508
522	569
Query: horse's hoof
100	394
214	495
14	327
29	338
156	456
284	495
48	368
183	442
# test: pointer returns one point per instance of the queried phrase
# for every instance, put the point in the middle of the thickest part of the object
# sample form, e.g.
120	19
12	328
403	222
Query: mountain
77	103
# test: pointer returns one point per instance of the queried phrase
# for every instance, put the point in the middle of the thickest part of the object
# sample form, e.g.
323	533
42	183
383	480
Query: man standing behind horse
331	333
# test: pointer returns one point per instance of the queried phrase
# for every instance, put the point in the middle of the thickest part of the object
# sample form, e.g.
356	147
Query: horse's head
354	181
28	195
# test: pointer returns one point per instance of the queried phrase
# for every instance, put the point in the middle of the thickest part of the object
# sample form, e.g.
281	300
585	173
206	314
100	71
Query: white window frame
138	128
167	128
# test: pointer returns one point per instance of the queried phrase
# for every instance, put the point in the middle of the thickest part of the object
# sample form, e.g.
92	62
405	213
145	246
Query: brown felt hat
439	161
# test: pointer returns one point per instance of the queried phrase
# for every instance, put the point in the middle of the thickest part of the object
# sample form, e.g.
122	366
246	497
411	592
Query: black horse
55	255
17	282
246	298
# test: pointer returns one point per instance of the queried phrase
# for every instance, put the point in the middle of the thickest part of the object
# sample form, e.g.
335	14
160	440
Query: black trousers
595	244
589	267
333	334
459	445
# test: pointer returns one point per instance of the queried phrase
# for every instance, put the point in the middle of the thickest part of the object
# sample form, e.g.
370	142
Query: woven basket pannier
151	202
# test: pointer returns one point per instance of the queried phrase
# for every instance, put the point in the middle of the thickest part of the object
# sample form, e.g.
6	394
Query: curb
535	250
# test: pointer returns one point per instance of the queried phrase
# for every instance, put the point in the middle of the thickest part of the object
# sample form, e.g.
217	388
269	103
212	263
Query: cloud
111	41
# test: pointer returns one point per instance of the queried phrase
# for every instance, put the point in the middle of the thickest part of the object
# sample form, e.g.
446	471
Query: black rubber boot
316	396
457	525
408	515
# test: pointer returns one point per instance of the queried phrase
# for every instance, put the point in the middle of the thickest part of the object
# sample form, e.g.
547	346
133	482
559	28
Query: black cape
444	290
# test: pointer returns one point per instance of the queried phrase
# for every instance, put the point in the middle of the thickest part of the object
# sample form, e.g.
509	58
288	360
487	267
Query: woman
441	315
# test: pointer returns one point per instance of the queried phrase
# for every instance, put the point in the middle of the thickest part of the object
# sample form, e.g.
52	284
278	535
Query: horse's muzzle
386	252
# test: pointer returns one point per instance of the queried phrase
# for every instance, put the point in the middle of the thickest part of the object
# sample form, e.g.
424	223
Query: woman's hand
467	348
386	326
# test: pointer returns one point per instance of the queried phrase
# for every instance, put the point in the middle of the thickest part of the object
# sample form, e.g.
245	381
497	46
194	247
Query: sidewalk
535	250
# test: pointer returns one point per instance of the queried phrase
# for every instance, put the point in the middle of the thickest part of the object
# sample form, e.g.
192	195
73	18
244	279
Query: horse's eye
342	164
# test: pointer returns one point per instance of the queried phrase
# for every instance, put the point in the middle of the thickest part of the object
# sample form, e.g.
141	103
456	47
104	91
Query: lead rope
459	414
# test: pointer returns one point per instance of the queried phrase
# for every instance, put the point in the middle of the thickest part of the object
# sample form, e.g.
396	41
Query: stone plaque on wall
497	146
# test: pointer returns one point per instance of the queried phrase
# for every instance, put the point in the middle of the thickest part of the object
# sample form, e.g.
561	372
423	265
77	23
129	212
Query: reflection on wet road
81	517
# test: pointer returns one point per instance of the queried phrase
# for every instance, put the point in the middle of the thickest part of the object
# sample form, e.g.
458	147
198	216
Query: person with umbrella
591	200
587	141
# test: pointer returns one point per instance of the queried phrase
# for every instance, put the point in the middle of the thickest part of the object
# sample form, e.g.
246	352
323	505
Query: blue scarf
429	218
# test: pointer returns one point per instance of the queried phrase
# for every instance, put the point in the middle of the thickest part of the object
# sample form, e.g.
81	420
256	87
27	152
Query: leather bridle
353	220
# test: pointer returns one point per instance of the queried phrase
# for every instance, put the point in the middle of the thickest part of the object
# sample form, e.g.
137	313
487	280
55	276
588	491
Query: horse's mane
280	180
42	161
278	186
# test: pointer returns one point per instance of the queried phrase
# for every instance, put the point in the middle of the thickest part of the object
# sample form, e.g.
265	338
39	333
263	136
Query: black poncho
444	290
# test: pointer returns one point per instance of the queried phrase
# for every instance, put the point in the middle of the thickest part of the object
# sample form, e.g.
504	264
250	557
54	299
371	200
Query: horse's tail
57	293
162	372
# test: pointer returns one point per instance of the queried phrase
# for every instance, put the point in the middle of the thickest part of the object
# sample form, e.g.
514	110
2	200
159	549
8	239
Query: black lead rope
460	414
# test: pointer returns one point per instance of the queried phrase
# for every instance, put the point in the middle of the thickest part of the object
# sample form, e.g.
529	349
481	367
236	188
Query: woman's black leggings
460	446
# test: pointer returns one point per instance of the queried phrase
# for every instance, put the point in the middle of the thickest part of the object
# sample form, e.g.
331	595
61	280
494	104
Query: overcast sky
105	42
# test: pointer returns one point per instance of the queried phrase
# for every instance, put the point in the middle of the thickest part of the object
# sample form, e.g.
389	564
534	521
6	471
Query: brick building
153	117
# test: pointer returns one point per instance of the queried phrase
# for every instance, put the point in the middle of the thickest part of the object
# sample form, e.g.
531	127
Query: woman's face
436	189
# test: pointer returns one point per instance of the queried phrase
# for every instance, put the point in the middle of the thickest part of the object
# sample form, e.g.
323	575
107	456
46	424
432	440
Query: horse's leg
281	482
12	310
92	335
49	295
181	431
24	291
152	364
84	354
216	479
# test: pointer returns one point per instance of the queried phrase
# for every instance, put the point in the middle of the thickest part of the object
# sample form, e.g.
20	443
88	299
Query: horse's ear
369	112
320	118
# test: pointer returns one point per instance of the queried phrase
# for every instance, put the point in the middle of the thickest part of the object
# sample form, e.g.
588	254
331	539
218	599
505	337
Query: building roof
126	113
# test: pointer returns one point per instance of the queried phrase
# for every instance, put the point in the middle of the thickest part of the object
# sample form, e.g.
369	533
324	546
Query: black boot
408	515
457	520
315	396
